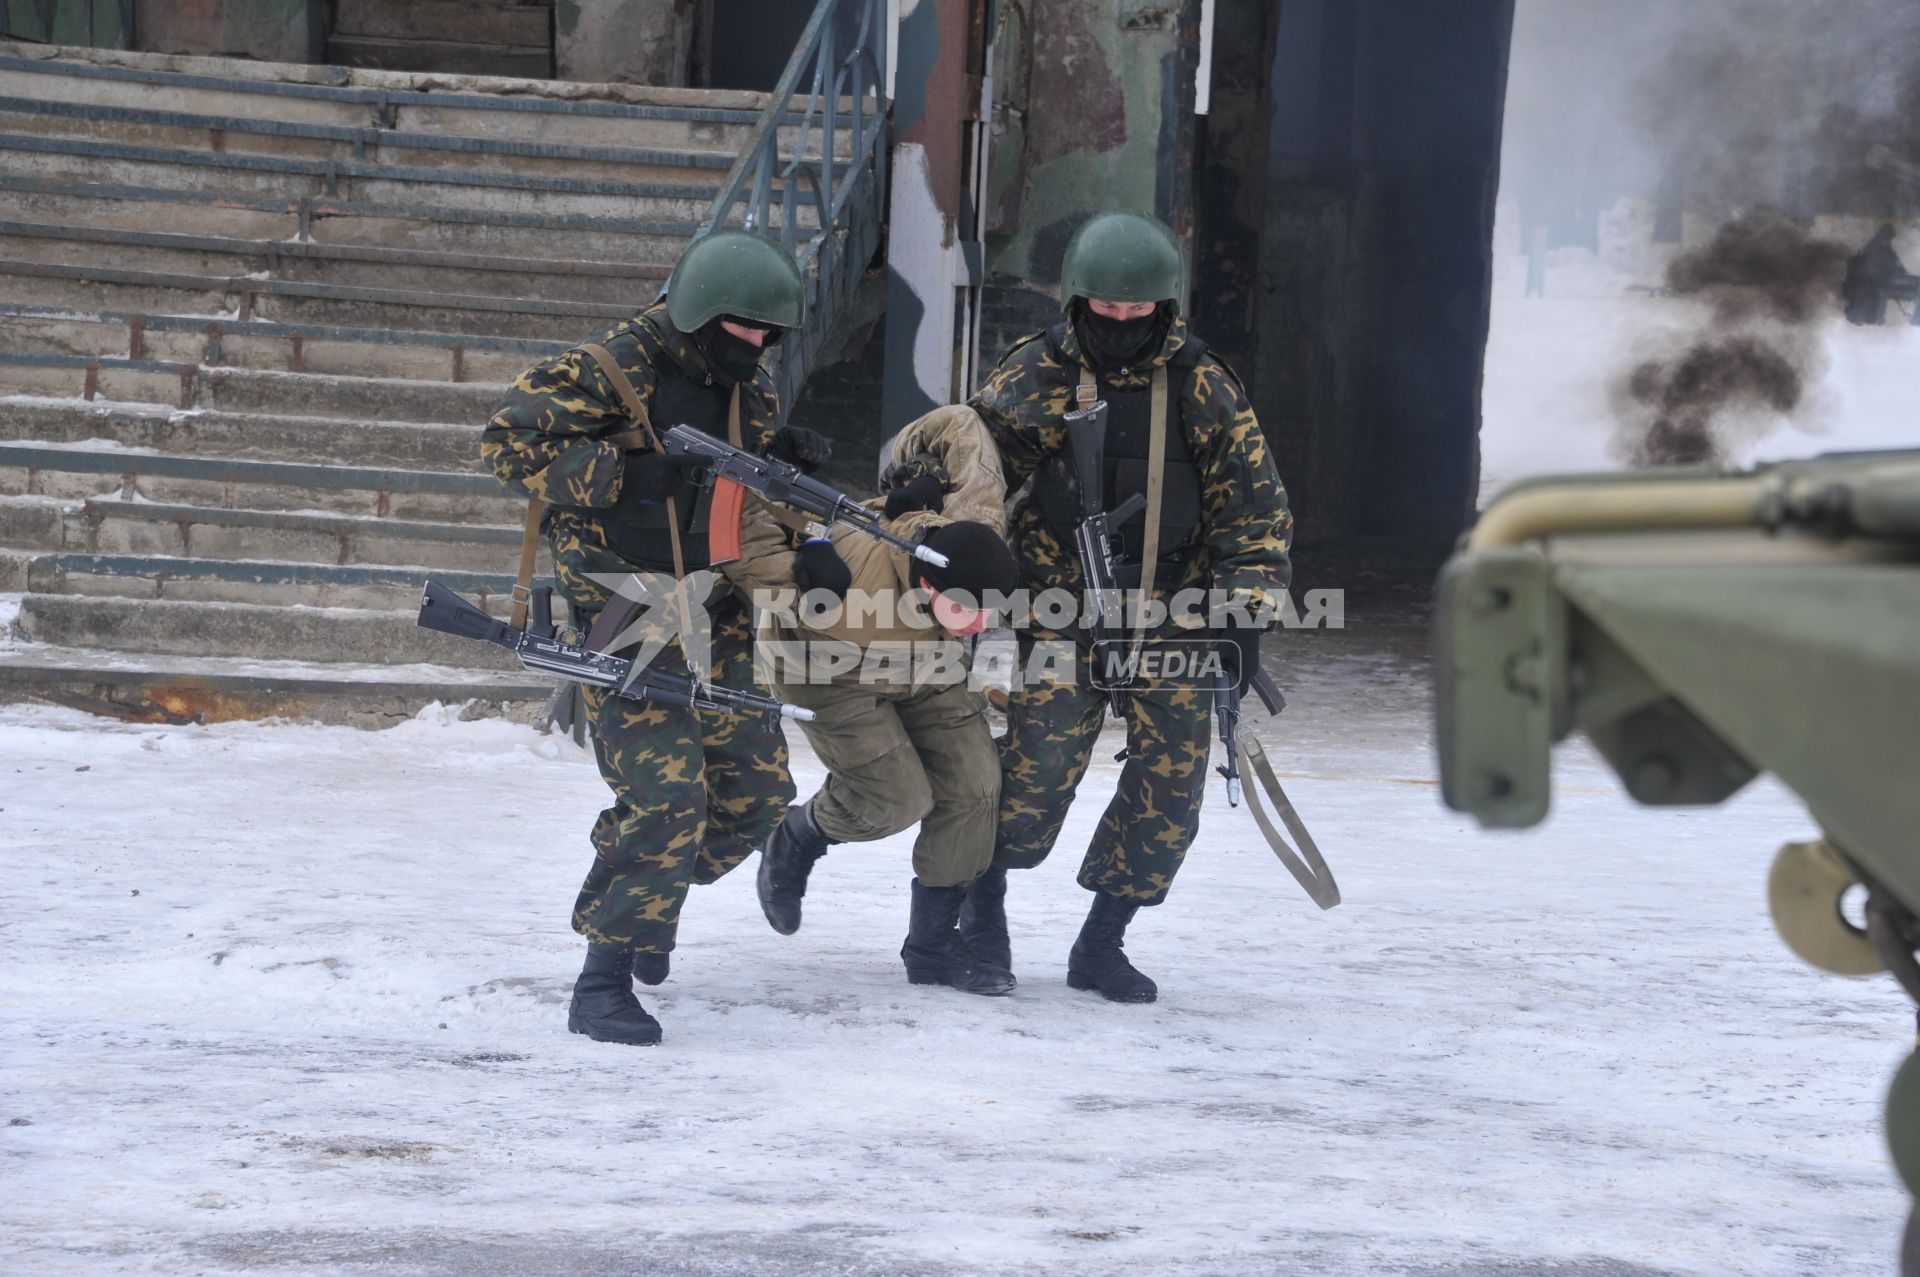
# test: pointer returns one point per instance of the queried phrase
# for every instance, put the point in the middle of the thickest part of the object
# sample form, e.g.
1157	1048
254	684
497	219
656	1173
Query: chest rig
1129	467
646	539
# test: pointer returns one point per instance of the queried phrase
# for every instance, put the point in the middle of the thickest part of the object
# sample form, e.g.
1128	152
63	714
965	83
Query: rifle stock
446	612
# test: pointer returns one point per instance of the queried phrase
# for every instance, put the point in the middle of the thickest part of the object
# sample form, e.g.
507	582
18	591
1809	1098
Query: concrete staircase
252	318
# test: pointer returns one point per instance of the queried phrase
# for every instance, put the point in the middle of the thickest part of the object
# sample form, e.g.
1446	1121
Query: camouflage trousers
1155	810
695	792
899	755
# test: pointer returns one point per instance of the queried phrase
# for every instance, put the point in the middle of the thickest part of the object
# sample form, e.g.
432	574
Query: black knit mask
1113	344
731	359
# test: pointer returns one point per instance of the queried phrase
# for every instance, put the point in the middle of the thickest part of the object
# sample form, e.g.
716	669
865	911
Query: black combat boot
1097	961
604	1007
650	968
785	861
983	919
935	953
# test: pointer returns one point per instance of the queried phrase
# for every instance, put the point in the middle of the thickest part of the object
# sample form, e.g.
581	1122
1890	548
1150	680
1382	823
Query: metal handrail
845	196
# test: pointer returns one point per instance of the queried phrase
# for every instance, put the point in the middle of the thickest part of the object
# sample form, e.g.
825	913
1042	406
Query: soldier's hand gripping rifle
1093	541
734	472
1309	867
539	648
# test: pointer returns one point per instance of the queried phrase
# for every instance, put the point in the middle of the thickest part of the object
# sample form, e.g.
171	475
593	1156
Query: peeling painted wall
1097	114
623	41
270	30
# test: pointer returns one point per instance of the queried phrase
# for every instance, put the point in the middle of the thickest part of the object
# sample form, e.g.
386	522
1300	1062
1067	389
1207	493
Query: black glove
653	476
1240	645
820	567
799	446
923	493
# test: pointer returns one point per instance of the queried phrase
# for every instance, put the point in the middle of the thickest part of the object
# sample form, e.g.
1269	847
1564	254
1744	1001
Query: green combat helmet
1701	627
1121	257
735	273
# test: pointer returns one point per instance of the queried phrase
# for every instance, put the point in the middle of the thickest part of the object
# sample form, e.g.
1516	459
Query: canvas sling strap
1087	393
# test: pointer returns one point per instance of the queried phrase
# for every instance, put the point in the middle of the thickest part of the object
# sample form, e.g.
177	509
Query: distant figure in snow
1875	274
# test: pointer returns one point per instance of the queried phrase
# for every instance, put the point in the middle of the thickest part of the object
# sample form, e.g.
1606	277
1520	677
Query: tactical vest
643	540
1056	491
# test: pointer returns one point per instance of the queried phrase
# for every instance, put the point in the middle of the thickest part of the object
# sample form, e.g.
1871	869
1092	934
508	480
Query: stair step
625	282
254	176
31	523
179	627
159	385
313	143
574	114
211	689
480	22
59	284
332	349
260	581
248	436
81	472
184	531
533	62
329	220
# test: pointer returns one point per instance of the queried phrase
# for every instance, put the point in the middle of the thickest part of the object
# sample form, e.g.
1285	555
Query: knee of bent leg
893	797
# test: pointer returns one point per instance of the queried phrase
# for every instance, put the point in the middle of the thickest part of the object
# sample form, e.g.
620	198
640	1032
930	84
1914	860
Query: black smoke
1770	288
1770	117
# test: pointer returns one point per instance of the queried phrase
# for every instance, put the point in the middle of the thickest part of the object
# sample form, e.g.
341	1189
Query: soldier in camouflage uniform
694	791
1224	526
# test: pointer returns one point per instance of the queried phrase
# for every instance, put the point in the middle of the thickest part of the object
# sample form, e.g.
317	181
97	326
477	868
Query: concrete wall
268	30
1376	256
623	41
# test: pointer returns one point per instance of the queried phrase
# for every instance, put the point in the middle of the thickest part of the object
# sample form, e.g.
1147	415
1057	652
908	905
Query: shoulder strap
1156	491
644	435
530	536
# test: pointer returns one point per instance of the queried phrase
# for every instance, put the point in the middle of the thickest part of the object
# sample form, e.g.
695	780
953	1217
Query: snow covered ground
291	1000
1552	360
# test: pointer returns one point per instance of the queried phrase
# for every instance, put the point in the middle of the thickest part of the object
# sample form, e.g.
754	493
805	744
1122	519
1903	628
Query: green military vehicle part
1701	627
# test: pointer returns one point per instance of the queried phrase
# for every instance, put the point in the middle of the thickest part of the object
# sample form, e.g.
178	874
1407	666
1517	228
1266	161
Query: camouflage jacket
1247	530
548	438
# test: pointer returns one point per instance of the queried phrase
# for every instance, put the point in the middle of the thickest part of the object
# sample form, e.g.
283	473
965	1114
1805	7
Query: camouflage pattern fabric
1155	809
695	792
1246	530
548	439
1244	540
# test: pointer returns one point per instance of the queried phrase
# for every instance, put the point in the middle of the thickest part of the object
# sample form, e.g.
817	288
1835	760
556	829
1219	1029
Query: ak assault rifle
539	648
734	472
1309	867
1226	709
1093	539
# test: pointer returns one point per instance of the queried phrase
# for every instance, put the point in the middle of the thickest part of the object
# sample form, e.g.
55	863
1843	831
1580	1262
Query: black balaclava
732	360
979	560
1113	344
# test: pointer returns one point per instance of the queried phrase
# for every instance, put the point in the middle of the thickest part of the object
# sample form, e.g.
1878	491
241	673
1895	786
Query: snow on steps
249	436
183	689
